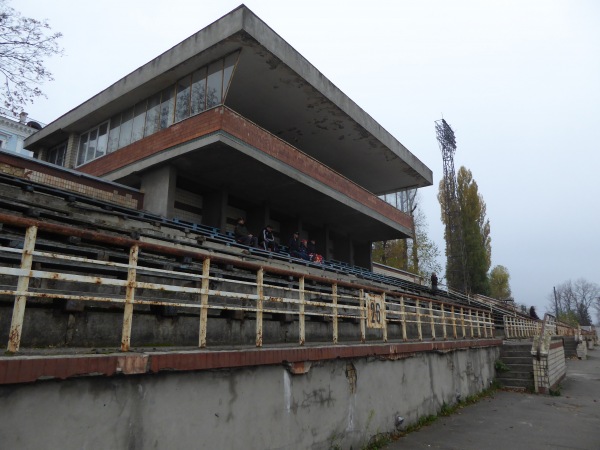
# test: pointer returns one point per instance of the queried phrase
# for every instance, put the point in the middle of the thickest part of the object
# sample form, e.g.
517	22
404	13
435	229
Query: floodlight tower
456	270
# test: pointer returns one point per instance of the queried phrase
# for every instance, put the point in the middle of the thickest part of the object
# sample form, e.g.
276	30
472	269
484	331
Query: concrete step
515	354
509	360
515	350
512	383
512	374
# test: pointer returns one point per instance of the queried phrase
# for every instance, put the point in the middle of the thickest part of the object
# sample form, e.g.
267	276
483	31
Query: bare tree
575	299
25	43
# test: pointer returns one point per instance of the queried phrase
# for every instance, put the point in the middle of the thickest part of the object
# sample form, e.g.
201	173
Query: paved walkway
516	421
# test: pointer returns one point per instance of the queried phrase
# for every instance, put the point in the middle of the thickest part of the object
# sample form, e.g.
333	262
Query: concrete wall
550	368
338	403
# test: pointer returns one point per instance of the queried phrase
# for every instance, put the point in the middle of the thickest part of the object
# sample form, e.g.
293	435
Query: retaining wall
322	404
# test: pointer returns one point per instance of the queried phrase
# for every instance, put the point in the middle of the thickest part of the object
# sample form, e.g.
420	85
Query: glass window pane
153	115
102	140
167	107
139	119
230	62
182	108
214	85
82	149
126	127
113	135
199	91
60	154
91	146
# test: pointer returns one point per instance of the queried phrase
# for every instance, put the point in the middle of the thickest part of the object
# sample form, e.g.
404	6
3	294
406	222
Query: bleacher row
227	240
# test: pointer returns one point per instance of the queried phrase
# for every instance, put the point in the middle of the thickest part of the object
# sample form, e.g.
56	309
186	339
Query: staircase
570	346
516	357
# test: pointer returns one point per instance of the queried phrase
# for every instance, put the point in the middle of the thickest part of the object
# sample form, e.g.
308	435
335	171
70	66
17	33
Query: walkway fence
140	281
516	327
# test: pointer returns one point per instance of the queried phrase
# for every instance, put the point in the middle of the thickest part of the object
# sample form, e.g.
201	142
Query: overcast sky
519	82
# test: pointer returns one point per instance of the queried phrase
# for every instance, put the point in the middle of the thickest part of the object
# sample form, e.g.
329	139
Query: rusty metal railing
516	327
133	284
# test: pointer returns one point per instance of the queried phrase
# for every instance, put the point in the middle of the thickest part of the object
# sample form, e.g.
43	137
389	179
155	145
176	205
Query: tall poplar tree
475	229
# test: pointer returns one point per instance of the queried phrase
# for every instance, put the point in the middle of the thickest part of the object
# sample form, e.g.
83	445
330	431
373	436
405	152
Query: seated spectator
296	248
311	249
533	314
243	236
304	250
268	240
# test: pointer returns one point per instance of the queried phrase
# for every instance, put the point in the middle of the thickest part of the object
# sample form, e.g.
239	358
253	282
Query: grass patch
501	367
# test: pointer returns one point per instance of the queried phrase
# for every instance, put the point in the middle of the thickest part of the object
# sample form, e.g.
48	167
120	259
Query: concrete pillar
362	254
320	237
159	190
257	218
287	229
71	153
328	251
214	209
343	248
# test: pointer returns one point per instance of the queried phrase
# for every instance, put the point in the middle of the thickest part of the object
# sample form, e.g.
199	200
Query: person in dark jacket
242	235
434	282
533	314
267	239
296	248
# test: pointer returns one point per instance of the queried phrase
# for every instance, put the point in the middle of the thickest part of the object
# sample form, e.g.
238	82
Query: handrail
198	290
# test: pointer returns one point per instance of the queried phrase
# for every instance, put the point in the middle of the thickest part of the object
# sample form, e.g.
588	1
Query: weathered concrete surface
336	403
517	421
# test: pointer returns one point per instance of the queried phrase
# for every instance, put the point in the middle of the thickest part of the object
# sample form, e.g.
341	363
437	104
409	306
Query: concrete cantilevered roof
273	86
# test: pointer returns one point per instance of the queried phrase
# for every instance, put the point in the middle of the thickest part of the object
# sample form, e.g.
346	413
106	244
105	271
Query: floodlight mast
456	266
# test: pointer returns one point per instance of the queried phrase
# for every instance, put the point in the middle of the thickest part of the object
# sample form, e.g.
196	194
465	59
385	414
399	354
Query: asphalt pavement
522	421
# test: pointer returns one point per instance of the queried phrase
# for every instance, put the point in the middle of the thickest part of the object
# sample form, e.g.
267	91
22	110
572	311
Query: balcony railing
372	313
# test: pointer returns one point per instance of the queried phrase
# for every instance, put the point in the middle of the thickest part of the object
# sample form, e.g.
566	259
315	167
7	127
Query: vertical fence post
471	323
485	324
418	316
477	321
259	307
442	306
129	297
384	318
302	317
431	321
462	322
16	325
204	302
334	299
363	318
404	337
453	322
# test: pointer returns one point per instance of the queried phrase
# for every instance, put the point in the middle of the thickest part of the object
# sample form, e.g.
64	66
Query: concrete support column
362	254
287	229
342	247
321	240
214	209
257	218
71	153
328	244
159	190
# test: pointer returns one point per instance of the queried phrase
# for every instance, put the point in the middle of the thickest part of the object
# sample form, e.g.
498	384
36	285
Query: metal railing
76	278
516	327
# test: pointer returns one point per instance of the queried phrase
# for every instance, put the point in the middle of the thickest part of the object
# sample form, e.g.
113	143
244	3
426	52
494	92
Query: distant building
13	132
234	122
